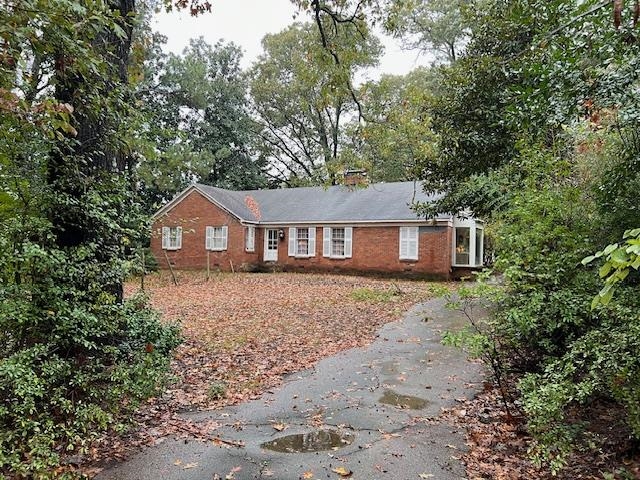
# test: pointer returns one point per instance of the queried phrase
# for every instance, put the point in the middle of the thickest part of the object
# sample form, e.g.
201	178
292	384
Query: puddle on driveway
309	442
403	401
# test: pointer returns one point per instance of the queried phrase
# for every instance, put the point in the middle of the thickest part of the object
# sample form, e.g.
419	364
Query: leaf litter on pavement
243	332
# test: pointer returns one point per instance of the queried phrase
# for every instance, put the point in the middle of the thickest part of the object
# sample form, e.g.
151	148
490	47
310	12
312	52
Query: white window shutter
250	242
326	242
404	250
179	238
208	238
225	236
413	242
312	241
348	242
409	243
292	241
165	237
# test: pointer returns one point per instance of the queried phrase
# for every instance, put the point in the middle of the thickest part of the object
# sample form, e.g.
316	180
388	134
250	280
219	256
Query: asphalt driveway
366	413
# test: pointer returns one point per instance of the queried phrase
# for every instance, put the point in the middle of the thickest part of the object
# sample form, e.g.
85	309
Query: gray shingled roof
377	202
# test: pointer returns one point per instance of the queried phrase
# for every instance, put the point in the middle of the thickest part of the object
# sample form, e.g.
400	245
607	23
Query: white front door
271	245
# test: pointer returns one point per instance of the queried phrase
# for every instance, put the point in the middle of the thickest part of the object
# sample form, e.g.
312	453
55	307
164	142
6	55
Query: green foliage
217	391
75	357
619	262
434	25
479	336
196	125
302	99
537	130
397	134
602	362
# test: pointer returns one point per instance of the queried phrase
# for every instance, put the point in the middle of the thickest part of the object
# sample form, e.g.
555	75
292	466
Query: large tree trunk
80	160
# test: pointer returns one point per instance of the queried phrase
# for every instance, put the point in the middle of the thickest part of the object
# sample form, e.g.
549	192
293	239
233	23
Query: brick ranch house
335	229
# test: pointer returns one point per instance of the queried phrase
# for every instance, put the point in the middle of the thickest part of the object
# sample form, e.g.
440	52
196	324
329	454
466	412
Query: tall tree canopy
436	27
199	125
537	128
396	135
302	98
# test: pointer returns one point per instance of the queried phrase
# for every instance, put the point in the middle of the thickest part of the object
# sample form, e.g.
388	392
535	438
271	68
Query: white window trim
411	244
327	236
481	248
166	238
472	225
293	242
250	238
209	237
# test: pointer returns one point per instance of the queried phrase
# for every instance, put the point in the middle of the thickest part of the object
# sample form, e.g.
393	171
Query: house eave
378	223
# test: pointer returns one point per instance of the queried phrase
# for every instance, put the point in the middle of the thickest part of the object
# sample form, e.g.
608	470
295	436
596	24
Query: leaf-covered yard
243	332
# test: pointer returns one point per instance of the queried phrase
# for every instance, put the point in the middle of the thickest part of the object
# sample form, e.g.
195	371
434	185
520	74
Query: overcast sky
245	22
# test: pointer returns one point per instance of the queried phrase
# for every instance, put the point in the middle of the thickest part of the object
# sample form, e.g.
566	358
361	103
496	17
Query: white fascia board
362	223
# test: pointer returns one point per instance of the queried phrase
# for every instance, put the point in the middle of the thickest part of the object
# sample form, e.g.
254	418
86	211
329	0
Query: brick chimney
355	177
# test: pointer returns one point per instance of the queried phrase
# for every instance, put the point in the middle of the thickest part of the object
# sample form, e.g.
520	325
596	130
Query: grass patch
373	296
217	391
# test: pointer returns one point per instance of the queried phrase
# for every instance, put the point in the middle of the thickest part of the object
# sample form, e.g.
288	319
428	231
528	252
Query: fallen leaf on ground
279	426
342	471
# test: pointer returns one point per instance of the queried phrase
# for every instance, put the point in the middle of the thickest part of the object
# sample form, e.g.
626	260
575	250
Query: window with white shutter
216	238
302	241
337	242
409	243
171	238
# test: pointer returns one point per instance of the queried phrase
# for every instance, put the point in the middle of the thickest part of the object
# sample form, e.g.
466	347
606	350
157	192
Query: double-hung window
250	239
171	238
337	242
302	241
216	238
409	243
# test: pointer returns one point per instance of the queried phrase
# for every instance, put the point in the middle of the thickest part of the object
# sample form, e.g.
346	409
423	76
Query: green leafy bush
543	328
74	358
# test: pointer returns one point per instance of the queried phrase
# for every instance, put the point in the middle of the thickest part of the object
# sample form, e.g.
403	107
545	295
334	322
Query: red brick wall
194	213
375	249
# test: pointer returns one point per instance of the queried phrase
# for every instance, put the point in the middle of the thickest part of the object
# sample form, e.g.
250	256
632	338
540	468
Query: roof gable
195	188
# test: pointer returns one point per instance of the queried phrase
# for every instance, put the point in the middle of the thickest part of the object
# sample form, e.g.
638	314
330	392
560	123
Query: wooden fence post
175	281
208	265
